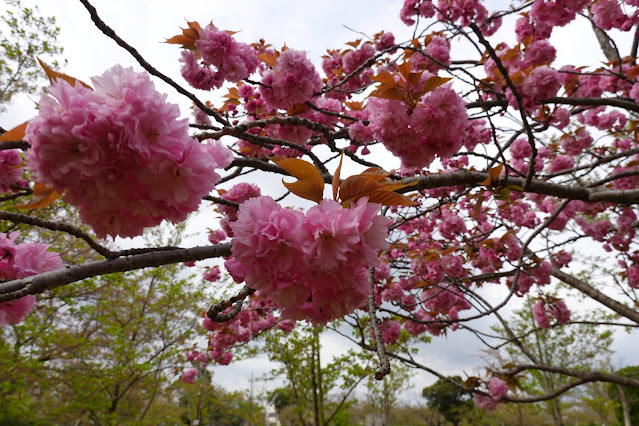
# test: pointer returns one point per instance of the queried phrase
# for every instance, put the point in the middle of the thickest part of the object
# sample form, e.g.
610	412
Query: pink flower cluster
292	81
497	389
251	321
120	152
314	266
464	11
20	261
339	65
238	193
557	308
390	330
442	302
233	61
437	49
10	170
435	128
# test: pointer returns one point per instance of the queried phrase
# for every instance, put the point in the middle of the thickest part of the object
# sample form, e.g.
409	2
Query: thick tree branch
468	178
14	145
49	280
384	368
595	294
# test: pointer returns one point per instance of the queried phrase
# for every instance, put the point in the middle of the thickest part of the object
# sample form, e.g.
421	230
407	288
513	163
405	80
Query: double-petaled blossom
315	266
20	261
120	153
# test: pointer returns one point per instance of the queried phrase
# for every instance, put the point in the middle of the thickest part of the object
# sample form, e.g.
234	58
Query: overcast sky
313	26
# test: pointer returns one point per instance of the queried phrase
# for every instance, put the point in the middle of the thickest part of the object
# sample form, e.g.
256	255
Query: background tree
103	352
25	36
454	403
580	344
208	404
314	394
627	409
385	394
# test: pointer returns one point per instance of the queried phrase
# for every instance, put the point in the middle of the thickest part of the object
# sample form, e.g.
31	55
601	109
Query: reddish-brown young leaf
354	43
375	173
306	189
268	58
384	77
188	37
389	198
432	84
405	69
301	169
355	187
355	106
394	186
387	92
495	172
310	183
413	78
15	134
54	75
43	196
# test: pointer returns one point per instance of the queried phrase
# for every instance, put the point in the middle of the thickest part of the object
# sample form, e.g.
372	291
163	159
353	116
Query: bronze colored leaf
43	196
54	75
389	198
306	189
15	134
355	187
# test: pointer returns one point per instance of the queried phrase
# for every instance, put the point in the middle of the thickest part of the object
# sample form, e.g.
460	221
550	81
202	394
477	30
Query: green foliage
209	404
314	394
24	36
385	393
631	395
453	402
102	353
581	345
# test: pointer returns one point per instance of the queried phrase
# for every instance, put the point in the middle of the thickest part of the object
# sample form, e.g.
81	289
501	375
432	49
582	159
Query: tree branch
595	294
15	289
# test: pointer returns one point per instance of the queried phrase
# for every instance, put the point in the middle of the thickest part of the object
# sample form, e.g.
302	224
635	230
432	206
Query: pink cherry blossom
539	311
120	152
293	80
189	375
10	170
20	261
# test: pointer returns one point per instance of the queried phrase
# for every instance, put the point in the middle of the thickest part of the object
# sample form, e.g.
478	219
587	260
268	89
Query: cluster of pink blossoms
338	65
314	266
464	11
497	389
232	61
292	81
120	153
20	261
558	310
10	170
253	319
238	193
390	331
434	128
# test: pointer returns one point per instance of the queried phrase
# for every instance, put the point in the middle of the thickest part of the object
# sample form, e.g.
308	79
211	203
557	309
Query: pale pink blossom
292	81
189	375
120	152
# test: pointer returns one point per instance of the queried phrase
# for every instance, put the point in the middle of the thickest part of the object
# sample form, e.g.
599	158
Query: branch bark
595	294
35	284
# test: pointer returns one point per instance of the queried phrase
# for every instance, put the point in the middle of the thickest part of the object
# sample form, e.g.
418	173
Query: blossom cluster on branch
510	165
